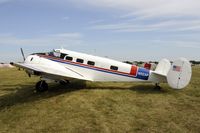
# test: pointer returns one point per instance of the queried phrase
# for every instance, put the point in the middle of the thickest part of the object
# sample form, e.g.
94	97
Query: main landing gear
41	86
157	87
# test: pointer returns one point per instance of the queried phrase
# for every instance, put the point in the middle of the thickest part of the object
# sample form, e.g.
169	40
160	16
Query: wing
55	72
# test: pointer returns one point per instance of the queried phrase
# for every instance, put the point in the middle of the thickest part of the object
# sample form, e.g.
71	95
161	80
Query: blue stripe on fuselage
142	73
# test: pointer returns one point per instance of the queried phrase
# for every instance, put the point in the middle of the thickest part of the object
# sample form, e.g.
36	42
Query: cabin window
68	58
50	54
114	68
92	63
62	56
79	60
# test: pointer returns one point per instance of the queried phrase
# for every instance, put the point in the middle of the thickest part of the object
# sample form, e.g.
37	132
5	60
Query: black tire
41	86
64	82
157	87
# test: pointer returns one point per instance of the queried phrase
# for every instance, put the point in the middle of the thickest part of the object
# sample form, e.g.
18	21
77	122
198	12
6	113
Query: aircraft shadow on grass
26	93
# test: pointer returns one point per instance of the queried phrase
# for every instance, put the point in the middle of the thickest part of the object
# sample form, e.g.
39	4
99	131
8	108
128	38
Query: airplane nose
33	59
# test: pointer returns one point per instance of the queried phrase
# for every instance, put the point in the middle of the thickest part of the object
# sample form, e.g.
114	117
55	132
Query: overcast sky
119	29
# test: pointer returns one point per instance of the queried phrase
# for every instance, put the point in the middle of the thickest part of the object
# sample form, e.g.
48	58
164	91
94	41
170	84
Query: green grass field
97	107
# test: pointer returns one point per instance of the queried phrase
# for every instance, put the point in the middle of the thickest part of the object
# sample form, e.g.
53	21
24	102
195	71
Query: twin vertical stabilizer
178	74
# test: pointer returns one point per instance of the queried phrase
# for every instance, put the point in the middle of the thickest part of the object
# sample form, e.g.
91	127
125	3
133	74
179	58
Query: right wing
56	71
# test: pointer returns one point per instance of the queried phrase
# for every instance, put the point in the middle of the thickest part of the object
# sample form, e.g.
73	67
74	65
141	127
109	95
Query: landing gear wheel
64	82
41	86
157	87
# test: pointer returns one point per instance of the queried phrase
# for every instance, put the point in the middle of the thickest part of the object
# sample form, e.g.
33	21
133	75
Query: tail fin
163	67
179	74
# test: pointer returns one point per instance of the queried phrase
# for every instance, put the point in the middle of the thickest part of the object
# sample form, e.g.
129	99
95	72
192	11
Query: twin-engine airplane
62	65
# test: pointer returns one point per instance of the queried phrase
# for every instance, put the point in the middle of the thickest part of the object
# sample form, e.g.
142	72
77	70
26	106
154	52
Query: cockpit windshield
53	53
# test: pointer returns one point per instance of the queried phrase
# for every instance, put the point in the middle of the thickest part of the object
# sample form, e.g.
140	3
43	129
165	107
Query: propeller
22	54
29	74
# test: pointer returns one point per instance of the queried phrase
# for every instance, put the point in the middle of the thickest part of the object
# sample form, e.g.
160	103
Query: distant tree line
193	62
140	62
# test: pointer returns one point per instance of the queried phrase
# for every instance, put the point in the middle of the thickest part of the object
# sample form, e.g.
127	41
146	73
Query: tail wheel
41	86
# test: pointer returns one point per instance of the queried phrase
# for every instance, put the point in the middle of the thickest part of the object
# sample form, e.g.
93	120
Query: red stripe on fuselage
76	63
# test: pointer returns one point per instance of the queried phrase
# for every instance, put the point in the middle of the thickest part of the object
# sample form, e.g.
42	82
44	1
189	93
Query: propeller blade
22	54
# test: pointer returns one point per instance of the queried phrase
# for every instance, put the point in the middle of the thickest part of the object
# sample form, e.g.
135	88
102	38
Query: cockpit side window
79	60
114	68
62	56
50	54
38	54
68	58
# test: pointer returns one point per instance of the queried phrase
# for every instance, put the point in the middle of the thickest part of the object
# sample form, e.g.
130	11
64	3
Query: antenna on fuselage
61	47
22	52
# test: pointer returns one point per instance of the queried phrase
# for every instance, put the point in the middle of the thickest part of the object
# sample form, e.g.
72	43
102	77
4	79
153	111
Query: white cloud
65	18
68	35
178	43
161	12
165	26
46	40
168	15
96	21
4	1
147	7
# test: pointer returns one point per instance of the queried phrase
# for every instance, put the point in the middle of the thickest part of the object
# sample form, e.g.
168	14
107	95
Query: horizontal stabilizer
163	67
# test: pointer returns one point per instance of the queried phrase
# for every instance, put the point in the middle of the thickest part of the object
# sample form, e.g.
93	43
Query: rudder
179	74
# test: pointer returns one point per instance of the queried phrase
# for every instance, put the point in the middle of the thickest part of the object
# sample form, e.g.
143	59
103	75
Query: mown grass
97	107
